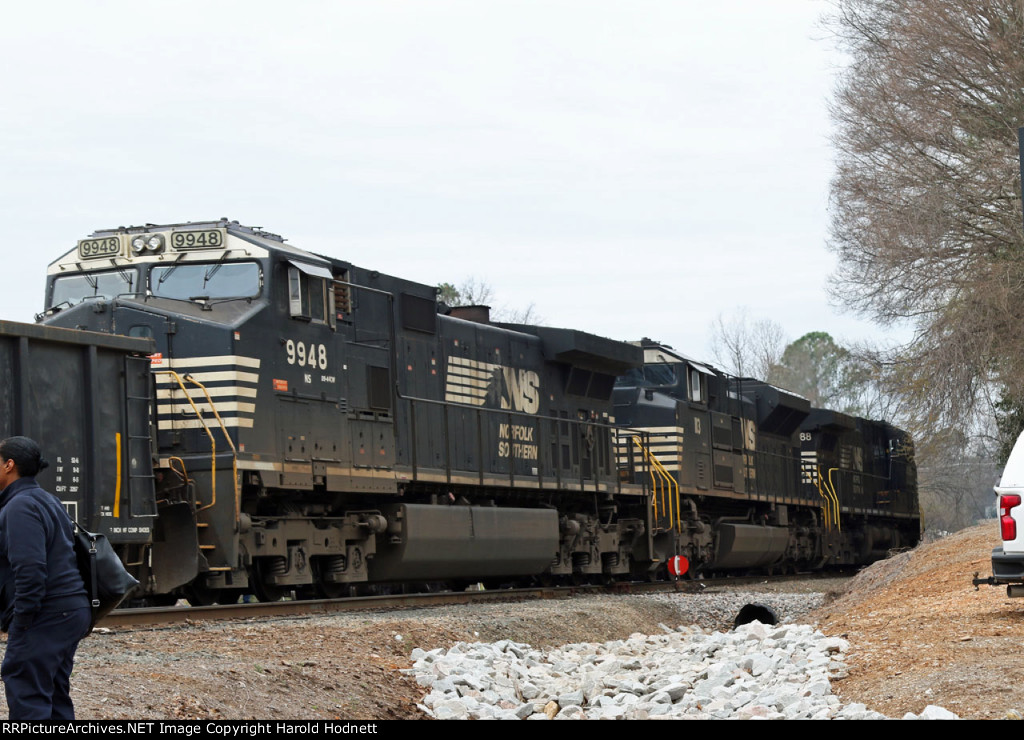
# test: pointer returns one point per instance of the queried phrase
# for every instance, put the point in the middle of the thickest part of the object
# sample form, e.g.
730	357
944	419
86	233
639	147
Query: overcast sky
631	169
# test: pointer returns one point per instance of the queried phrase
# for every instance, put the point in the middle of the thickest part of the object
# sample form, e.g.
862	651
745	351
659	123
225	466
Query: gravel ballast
753	671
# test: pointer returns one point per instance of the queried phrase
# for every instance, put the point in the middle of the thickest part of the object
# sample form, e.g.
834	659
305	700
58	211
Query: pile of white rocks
754	671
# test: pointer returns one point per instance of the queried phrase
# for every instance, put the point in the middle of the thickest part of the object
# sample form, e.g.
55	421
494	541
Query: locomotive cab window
648	375
74	289
698	387
310	296
206	281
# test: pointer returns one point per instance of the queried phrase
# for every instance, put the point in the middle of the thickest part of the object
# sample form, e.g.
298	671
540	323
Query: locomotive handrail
653	472
662	471
835	497
826	489
231	444
654	481
656	488
213	443
674	518
184	473
826	501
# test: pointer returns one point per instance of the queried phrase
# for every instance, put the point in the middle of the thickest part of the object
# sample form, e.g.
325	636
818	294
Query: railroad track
314	607
142	617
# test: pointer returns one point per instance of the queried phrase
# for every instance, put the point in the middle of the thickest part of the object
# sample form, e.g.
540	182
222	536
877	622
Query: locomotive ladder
138	408
668	483
213	450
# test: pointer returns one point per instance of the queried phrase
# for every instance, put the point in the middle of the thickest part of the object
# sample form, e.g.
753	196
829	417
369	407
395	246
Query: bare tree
872	388
526	315
475	292
955	479
926	213
747	348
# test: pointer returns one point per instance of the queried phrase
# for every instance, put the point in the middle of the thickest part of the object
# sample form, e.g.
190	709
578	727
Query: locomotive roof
254	234
265	241
223	223
662	353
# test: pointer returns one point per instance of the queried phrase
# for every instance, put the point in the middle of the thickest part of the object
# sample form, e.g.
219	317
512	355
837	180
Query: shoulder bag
106	579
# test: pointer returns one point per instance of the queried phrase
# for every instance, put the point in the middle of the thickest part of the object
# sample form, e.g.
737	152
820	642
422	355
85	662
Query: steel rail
300	608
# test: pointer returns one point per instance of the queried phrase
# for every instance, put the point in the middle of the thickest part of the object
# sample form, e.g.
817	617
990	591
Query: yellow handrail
670	481
117	482
213	443
835	498
654	478
183	473
231	444
827	502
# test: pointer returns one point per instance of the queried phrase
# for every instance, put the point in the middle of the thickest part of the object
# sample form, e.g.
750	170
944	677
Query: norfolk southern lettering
479	383
521	445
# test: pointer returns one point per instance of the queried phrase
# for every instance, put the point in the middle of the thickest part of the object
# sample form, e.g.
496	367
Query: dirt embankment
921	634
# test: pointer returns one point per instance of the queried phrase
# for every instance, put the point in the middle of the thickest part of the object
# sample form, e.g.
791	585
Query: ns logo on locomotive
239	415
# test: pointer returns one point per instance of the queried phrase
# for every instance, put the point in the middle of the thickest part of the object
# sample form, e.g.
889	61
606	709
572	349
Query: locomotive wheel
326	590
694	573
265	591
199	594
330	590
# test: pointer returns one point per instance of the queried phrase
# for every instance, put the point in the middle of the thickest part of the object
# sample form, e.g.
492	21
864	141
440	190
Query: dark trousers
36	669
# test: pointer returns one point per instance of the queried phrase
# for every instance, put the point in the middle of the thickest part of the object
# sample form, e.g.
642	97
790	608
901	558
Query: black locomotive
752	477
262	419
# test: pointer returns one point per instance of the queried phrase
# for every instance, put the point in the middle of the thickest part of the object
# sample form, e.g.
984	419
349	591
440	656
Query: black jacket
38	570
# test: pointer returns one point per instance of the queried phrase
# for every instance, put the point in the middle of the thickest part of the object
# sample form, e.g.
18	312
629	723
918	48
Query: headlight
152	243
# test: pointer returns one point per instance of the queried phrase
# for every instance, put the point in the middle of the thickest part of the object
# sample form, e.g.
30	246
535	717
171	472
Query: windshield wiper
172	268
211	272
127	277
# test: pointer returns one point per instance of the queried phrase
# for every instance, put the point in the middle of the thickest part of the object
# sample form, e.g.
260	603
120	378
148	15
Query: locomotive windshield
648	375
77	288
216	280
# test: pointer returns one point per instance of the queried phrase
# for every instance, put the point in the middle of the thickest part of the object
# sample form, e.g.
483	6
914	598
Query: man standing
45	607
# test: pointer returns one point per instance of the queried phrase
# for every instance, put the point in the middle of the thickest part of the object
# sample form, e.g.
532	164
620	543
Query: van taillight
1006	523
